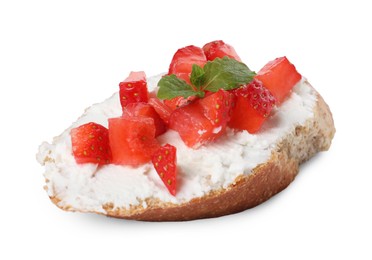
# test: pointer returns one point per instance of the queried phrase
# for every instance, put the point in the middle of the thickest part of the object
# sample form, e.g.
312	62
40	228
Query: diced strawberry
163	111
178	102
219	49
133	89
181	66
165	163
279	76
132	140
90	144
244	117
192	125
204	120
145	109
253	105
183	60
217	107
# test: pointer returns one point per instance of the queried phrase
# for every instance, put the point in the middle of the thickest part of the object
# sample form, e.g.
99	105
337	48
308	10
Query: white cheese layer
213	166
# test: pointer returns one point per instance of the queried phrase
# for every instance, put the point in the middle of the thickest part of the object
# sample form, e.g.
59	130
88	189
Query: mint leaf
226	73
171	87
197	76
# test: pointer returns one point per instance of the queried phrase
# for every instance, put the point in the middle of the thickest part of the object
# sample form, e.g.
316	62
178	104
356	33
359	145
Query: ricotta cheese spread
86	187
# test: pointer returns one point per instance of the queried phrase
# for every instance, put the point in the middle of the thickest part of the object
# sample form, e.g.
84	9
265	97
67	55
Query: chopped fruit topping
132	140
219	49
279	76
253	105
183	59
90	144
133	89
192	125
181	66
204	120
146	110
165	163
163	111
217	107
259	97
178	102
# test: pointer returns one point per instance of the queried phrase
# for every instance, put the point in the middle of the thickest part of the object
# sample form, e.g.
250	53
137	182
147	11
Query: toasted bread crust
247	191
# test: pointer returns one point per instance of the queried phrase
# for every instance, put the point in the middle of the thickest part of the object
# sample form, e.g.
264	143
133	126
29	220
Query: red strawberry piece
219	49
133	89
181	66
163	110
279	76
90	144
146	110
132	140
183	59
165	163
253	105
178	102
217	107
204	120
192	125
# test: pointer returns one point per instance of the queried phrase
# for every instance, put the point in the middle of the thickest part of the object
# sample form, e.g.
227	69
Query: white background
59	57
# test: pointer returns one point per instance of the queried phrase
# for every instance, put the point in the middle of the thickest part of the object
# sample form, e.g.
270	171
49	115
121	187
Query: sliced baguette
247	191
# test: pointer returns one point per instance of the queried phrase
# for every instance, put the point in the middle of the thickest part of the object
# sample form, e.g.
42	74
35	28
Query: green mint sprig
225	73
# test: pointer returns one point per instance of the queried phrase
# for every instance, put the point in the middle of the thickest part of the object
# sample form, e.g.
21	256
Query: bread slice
246	190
